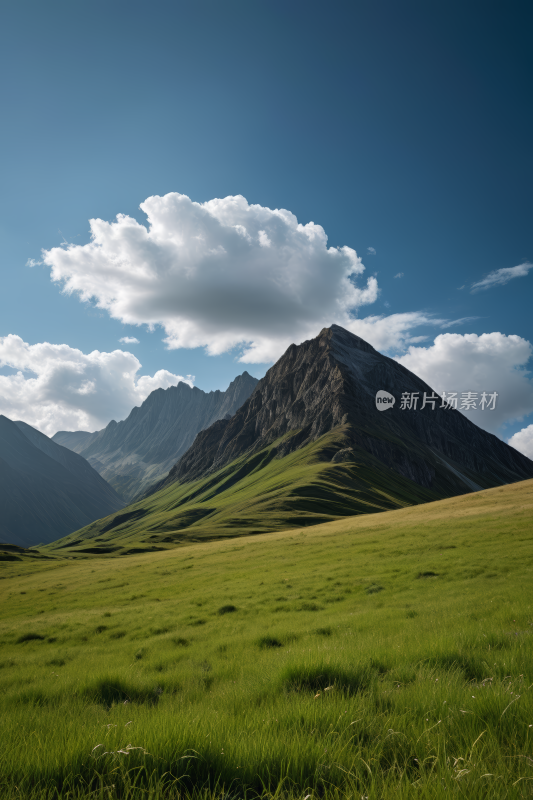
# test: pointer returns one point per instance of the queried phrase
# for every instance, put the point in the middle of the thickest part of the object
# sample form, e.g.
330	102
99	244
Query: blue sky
401	127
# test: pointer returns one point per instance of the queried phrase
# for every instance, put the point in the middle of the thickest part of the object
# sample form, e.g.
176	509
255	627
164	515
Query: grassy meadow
379	656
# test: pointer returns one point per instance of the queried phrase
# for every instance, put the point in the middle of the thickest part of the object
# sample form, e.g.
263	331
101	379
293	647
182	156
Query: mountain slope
255	495
46	491
74	440
139	451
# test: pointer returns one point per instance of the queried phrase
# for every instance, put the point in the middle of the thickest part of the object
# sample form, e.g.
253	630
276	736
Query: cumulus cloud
392	332
523	441
57	387
500	276
399	275
491	362
219	275
371	251
129	340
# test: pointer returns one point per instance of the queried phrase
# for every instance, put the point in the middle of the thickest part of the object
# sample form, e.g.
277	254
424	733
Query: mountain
134	454
310	446
74	440
46	491
333	380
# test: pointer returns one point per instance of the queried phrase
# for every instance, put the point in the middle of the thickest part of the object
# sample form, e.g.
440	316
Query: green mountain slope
258	493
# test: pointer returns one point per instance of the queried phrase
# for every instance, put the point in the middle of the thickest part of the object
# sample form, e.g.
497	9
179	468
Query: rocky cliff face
332	381
135	453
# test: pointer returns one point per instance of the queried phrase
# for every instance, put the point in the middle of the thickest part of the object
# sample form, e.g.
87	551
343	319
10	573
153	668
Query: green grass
252	495
270	666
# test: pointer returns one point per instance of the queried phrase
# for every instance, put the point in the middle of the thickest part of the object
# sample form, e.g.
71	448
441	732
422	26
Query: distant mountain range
309	445
46	491
136	453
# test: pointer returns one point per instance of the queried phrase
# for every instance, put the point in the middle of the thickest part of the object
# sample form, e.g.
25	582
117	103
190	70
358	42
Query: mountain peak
346	339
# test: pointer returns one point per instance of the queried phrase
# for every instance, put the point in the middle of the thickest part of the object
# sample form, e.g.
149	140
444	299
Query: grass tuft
229	609
113	690
314	677
268	641
30	637
100	628
309	607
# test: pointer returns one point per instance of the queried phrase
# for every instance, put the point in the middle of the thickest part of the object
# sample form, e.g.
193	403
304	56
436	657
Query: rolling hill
381	656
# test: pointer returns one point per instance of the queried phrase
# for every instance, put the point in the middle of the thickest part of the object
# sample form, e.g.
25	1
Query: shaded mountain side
254	494
134	454
331	381
74	440
46	491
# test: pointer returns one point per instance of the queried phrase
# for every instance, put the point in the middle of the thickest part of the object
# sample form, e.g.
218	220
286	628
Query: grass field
383	656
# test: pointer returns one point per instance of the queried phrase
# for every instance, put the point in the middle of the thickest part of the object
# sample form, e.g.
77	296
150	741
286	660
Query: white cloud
491	362
371	251
264	241
219	275
399	275
57	387
392	332
523	441
500	276
461	321
129	340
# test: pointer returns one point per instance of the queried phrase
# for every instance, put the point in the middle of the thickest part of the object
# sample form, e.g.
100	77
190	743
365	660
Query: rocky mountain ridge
134	454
